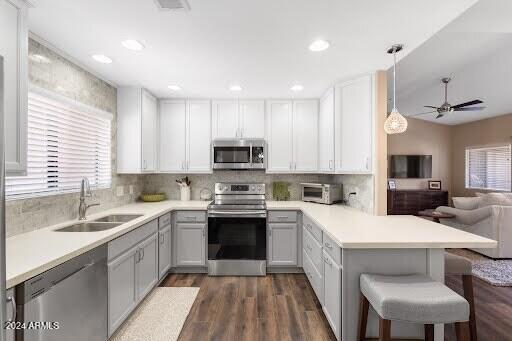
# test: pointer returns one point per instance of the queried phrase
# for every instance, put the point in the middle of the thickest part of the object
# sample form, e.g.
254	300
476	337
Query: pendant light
395	123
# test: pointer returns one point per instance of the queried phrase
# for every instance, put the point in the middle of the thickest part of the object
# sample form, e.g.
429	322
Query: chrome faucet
85	192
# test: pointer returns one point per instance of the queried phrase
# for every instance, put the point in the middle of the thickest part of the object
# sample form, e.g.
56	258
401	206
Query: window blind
489	168
65	144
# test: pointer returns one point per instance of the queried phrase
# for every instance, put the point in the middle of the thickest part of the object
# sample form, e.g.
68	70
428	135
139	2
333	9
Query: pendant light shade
395	123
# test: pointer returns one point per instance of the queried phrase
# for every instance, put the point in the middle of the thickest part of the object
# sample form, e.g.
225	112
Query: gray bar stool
457	265
414	299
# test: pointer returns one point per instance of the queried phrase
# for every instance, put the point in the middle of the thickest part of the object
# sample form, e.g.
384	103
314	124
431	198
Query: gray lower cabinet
9	314
122	291
190	244
332	293
147	266
164	251
132	272
282	244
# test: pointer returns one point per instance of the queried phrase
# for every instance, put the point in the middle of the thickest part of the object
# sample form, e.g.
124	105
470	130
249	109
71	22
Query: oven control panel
235	188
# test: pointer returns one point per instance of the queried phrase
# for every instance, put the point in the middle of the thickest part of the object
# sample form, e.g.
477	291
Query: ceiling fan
447	107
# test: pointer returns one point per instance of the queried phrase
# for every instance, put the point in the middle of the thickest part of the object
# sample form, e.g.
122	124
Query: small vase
185	193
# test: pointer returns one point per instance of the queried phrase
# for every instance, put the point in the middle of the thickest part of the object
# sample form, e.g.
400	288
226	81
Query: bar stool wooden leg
429	332
384	330
467	283
363	317
461	330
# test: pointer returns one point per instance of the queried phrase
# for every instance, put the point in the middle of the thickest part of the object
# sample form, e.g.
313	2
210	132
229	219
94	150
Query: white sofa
489	215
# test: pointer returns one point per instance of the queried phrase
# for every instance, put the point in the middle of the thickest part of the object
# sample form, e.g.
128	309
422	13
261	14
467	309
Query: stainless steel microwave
238	154
322	193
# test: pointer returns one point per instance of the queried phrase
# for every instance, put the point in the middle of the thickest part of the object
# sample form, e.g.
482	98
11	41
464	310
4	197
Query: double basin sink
100	224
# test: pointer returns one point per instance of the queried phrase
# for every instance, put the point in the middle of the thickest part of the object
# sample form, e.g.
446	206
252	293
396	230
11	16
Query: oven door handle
233	213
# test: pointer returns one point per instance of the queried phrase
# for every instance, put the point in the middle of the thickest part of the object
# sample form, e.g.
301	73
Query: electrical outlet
119	191
131	189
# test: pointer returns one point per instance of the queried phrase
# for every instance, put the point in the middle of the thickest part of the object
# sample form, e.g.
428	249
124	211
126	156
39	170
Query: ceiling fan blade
429	106
476	101
423	113
439	116
469	109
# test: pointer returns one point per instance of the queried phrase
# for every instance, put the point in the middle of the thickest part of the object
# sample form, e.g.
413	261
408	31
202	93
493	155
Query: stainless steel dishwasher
72	295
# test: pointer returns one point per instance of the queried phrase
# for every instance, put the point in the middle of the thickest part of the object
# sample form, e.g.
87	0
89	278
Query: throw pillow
494	199
466	203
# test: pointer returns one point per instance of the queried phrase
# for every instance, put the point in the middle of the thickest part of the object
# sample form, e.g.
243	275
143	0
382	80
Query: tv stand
412	201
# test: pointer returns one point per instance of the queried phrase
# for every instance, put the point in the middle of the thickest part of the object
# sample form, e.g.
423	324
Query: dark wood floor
275	307
493	306
284	307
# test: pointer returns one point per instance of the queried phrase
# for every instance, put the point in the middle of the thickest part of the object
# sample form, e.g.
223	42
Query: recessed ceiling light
235	88
297	87
101	58
174	87
319	45
132	44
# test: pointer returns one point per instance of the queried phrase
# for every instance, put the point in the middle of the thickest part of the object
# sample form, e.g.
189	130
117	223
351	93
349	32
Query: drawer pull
328	245
13	307
309	247
282	217
327	261
191	218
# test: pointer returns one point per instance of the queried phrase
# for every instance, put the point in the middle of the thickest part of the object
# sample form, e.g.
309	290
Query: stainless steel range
237	230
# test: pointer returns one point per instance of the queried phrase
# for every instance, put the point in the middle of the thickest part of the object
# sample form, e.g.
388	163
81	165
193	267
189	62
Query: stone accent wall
51	71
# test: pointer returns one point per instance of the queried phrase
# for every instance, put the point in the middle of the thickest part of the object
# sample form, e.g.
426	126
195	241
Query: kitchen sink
89	227
118	218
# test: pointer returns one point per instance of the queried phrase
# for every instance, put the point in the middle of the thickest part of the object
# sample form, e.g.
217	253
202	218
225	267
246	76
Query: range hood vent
173	5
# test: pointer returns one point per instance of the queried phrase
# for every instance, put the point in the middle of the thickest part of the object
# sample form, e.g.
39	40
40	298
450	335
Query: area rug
160	317
495	272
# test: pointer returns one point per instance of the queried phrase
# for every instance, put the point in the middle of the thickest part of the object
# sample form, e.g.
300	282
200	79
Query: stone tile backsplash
166	182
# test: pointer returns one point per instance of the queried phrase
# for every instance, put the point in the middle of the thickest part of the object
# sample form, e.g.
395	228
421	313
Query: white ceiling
261	45
475	50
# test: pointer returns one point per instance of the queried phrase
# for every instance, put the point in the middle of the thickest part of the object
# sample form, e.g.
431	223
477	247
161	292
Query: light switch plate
131	189
119	191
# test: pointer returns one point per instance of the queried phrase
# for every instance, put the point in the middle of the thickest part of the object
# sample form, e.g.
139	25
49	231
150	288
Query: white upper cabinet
292	136
173	135
137	114
149	132
238	119
199	137
225	119
326	133
14	52
354	125
279	136
185	136
252	119
305	136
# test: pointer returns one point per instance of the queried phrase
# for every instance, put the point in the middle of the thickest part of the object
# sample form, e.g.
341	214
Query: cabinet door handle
270	232
144	164
295	167
330	164
11	300
291	165
328	245
328	262
368	163
137	256
308	226
162	238
309	247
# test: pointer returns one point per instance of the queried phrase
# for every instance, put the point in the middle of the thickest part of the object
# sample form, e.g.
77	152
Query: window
66	141
489	168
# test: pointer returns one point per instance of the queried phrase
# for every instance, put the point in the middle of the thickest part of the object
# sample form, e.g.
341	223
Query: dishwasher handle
72	273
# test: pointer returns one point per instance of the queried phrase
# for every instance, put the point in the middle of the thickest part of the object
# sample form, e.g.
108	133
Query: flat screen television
410	166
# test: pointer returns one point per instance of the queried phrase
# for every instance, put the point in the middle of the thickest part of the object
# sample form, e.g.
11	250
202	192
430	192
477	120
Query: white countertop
32	253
